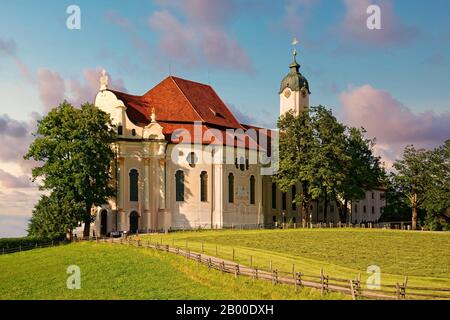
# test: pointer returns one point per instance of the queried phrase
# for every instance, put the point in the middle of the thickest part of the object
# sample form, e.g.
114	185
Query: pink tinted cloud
8	180
51	88
9	49
202	37
393	124
393	31
86	90
16	137
54	89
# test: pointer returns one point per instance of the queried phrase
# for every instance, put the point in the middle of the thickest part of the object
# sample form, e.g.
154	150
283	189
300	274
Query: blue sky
394	81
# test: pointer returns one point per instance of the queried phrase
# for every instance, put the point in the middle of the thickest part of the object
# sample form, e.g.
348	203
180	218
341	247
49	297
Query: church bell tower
294	89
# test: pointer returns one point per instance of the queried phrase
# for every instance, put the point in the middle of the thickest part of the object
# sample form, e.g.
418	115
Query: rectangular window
179	185
373	210
204	186
364	209
274	196
356	208
252	190
283	200
230	188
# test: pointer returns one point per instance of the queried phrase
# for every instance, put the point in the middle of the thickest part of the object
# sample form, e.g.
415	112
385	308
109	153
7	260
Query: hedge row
23	242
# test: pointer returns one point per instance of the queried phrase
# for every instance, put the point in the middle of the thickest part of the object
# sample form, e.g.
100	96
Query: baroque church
184	161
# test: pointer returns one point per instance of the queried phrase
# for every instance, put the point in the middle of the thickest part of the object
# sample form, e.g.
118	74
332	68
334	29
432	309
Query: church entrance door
134	222
103	222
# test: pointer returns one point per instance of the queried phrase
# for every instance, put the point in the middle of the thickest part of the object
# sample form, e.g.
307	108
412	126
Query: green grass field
423	256
120	272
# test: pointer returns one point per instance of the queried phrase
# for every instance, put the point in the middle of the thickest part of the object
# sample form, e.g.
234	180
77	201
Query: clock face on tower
287	93
304	93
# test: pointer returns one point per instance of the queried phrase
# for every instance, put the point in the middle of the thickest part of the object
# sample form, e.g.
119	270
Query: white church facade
184	161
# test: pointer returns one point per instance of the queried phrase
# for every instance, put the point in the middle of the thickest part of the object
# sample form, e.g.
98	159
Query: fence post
274	276
233	254
323	282
405	283
236	271
298	280
209	263
199	258
251	261
256	273
352	290
216	250
222	266
203	247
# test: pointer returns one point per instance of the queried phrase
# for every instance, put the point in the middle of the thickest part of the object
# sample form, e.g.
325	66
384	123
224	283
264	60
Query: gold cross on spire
295	42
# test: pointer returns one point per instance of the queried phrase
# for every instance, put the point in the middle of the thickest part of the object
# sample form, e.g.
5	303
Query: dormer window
216	114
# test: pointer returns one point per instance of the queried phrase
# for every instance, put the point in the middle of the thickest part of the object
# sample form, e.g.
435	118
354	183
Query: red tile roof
179	100
178	103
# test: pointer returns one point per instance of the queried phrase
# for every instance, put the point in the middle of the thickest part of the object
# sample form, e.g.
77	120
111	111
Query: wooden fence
31	247
322	281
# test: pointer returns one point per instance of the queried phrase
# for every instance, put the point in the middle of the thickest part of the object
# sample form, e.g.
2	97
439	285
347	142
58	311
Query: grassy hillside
119	272
423	256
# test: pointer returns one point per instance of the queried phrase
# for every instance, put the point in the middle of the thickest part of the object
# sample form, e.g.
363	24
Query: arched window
252	190
179	185
294	194
231	188
274	196
134	189
133	132
204	186
283	201
120	130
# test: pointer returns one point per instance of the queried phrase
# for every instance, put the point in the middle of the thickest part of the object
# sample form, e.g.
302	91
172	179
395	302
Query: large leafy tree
361	170
329	157
74	147
296	146
413	177
55	216
437	195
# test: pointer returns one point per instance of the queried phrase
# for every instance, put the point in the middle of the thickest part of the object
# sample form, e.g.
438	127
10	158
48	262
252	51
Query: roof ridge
185	97
192	81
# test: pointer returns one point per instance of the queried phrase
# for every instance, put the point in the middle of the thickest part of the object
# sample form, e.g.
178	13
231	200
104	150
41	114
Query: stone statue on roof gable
104	81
